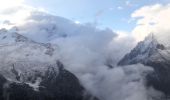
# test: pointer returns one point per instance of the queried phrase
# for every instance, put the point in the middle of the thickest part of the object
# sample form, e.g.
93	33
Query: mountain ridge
31	71
155	55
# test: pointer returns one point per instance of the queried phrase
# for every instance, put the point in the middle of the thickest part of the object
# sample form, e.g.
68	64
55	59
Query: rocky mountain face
31	71
53	86
152	53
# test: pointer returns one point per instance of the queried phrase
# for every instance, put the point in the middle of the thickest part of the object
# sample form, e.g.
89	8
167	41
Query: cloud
88	52
77	22
119	7
127	83
9	3
17	14
128	3
152	19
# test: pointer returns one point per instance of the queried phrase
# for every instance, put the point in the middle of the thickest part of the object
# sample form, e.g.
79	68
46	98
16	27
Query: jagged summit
151	53
143	51
151	41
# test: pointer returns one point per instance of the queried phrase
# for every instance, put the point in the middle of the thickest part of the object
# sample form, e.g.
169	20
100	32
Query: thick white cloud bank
120	83
88	52
9	3
153	19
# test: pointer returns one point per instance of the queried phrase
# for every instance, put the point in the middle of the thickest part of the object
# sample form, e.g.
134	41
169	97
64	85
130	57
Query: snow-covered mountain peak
152	52
148	49
22	58
34	68
11	36
150	43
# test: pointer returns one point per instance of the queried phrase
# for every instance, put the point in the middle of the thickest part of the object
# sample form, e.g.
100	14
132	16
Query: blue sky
115	14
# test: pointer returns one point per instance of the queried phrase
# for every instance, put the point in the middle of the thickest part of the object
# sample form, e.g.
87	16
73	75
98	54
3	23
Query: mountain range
31	69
